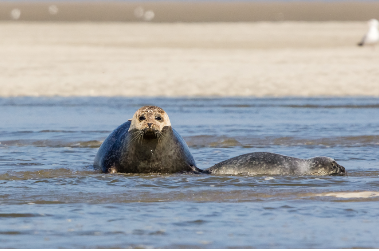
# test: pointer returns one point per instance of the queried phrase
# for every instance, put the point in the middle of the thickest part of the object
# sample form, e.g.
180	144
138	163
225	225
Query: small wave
223	141
211	141
45	173
89	144
201	141
67	131
334	106
52	131
306	106
52	143
20	215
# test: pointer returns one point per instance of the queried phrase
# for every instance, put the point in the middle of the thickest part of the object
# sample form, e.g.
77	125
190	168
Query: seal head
326	166
149	121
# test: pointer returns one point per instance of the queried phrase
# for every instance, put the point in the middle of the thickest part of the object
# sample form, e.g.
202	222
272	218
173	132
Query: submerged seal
145	144
148	144
275	164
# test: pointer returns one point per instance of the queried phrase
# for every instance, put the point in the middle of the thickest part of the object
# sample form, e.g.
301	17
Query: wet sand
186	59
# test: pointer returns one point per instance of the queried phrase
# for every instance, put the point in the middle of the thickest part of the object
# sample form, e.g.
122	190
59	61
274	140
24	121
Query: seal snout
150	132
338	169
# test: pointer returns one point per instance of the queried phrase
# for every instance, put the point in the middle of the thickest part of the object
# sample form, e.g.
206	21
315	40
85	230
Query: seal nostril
149	124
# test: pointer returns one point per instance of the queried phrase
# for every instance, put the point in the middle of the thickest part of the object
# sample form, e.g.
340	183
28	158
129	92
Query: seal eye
159	118
141	118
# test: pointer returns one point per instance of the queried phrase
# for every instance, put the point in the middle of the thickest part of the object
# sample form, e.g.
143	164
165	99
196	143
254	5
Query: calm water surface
52	198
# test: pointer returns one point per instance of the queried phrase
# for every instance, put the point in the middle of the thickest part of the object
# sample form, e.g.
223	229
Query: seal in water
145	144
263	163
148	144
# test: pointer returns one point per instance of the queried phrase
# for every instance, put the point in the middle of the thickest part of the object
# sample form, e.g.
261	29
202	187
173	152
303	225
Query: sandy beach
186	59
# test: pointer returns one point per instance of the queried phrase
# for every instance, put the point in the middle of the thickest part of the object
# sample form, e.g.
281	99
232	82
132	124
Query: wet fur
263	163
129	152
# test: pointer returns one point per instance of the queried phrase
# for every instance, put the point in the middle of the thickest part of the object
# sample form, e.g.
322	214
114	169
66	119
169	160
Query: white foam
365	194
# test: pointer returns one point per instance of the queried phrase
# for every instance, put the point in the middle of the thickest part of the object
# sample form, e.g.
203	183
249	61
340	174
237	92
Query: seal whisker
140	137
135	136
131	140
160	137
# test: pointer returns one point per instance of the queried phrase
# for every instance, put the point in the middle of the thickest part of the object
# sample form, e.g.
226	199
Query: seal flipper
197	170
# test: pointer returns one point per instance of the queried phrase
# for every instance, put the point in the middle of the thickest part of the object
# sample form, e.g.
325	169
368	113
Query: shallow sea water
52	198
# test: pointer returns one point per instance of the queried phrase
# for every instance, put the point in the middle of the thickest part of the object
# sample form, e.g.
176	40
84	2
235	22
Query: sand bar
186	59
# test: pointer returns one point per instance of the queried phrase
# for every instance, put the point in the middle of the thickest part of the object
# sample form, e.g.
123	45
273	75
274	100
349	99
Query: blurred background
189	11
187	48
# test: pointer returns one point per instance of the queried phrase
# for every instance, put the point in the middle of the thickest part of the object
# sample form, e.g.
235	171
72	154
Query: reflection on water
52	198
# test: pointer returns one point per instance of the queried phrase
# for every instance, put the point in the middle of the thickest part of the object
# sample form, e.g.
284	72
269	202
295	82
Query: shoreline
265	59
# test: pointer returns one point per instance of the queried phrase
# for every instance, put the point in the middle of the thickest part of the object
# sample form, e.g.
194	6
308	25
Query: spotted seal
148	144
264	163
145	144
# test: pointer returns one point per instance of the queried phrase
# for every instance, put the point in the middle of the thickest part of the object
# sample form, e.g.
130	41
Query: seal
148	144
145	144
264	163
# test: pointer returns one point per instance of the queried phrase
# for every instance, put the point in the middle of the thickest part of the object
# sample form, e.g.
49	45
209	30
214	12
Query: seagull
372	36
